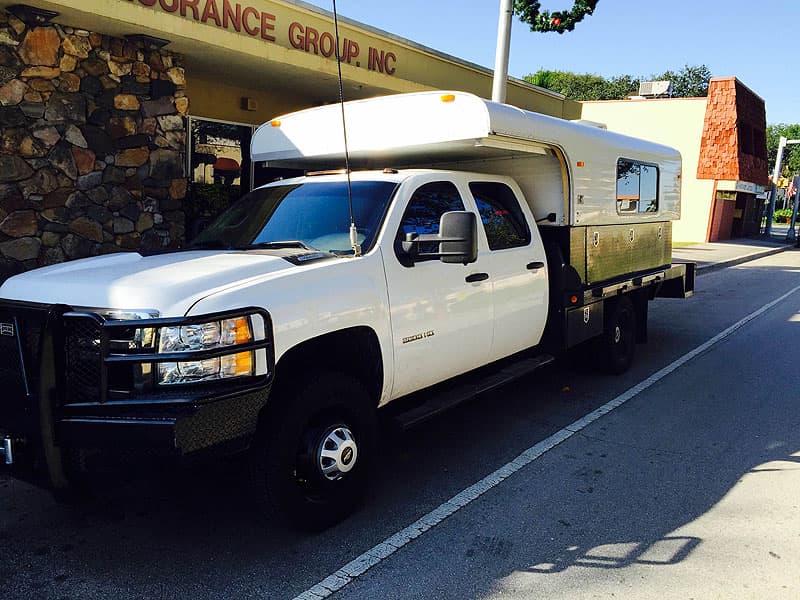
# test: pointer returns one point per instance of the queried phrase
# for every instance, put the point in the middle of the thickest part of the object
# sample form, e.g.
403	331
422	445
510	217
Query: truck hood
169	283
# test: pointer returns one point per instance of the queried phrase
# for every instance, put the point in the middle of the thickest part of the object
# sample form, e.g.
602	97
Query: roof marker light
275	123
448	98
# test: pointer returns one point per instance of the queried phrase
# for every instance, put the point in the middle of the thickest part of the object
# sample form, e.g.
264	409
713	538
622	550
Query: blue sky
758	42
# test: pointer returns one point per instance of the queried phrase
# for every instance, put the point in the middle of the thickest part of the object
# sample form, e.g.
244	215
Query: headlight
213	335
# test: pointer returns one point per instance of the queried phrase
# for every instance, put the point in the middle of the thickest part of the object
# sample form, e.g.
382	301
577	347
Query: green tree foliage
584	86
791	154
688	82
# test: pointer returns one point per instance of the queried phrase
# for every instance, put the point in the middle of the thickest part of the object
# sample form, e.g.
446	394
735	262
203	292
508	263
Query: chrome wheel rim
337	453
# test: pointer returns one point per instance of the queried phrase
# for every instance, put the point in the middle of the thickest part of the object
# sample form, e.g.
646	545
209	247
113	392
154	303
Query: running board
466	387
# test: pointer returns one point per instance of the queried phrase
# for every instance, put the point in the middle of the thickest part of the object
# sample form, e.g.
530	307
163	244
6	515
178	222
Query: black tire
618	343
286	473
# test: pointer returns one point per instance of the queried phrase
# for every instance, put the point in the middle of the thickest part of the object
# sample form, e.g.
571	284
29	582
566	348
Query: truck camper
468	243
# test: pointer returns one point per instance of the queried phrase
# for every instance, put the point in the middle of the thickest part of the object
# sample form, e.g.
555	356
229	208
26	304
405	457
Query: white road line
375	555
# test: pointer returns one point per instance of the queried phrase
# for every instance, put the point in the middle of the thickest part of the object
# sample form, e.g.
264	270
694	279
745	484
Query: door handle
532	266
476	277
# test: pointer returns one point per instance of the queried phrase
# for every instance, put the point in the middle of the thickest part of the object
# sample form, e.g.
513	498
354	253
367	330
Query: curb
711	267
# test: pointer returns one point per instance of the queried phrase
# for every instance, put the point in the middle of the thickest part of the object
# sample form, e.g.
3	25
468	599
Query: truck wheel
618	343
311	461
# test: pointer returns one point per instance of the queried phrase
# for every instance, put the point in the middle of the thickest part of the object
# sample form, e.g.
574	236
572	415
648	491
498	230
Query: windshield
316	214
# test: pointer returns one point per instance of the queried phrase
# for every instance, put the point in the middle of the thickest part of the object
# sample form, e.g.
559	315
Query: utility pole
773	192
501	54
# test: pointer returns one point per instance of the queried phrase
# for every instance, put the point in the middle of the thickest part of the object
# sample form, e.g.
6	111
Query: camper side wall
620	188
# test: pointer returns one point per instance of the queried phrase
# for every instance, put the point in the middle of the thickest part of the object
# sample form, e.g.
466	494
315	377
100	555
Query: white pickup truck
277	333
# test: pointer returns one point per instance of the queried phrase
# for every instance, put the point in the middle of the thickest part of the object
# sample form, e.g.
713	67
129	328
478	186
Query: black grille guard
107	357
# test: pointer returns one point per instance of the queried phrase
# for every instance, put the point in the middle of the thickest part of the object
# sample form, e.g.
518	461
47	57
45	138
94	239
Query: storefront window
220	169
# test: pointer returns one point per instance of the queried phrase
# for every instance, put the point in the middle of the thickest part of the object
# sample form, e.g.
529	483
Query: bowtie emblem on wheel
7	329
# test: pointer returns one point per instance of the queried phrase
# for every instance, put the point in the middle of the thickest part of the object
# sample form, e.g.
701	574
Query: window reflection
219	169
637	187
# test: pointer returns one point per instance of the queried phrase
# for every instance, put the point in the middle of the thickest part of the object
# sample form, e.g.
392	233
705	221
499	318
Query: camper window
637	187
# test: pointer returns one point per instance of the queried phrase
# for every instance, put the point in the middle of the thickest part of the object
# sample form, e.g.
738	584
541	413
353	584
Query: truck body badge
7	329
586	314
417	336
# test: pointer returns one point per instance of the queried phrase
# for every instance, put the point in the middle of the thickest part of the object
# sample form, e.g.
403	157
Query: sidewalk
718	255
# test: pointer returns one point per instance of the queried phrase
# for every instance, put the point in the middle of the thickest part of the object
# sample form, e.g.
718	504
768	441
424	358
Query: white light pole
773	192
501	53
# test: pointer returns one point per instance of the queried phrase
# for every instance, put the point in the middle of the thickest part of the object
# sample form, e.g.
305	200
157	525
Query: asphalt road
688	490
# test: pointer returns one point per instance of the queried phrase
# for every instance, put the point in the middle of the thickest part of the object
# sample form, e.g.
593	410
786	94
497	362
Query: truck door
441	313
516	265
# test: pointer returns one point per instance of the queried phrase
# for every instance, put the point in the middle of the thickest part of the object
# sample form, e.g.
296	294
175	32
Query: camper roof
430	127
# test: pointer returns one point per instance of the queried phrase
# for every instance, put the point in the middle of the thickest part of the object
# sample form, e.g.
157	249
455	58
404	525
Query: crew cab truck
485	240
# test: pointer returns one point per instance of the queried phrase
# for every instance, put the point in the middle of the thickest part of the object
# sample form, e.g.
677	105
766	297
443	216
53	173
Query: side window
637	187
627	186
426	207
501	215
648	189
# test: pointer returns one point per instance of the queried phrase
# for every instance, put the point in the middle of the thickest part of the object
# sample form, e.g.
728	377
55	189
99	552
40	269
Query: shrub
782	215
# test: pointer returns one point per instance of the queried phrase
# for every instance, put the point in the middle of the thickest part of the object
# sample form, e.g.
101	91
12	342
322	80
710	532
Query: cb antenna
353	231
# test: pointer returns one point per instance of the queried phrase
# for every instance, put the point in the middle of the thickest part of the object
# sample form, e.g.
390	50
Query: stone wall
93	140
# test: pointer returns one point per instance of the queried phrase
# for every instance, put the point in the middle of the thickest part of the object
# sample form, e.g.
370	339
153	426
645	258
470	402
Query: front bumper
65	386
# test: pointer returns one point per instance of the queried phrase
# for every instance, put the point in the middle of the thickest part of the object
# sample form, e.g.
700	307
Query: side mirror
457	239
459	233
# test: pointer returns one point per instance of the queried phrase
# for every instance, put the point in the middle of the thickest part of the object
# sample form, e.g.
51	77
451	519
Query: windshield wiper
278	245
209	245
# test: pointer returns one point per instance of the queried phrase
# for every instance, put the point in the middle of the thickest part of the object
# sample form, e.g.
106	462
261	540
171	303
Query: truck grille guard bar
94	345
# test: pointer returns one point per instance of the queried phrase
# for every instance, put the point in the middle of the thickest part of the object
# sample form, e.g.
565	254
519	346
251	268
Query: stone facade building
93	141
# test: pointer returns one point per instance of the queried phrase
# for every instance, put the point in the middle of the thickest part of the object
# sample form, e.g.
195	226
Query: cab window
426	207
502	218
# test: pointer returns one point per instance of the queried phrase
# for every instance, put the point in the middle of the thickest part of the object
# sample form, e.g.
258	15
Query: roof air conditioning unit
655	89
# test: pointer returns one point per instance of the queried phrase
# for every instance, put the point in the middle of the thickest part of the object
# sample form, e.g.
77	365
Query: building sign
309	39
740	186
246	19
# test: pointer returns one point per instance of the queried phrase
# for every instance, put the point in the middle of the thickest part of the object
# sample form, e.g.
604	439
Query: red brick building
733	152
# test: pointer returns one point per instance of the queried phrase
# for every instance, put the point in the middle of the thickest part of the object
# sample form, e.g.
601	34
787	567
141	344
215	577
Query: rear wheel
618	343
311	461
